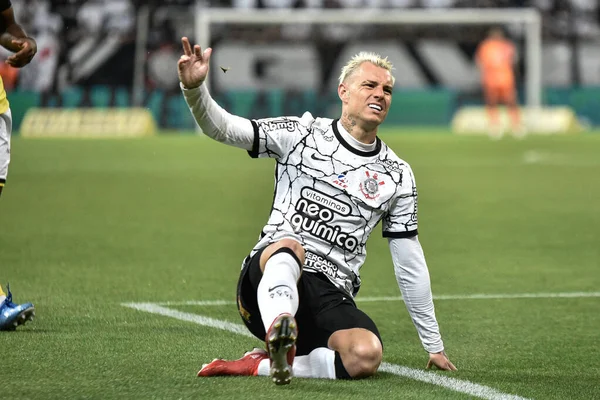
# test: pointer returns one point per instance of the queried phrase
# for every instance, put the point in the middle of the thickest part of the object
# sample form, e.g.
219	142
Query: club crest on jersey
370	186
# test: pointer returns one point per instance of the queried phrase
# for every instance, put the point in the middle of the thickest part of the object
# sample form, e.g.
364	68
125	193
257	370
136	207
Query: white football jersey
330	195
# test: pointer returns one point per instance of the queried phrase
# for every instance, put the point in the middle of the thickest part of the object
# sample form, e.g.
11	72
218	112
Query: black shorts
323	308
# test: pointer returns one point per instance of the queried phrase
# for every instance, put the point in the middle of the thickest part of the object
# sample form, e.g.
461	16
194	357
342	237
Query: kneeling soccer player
335	181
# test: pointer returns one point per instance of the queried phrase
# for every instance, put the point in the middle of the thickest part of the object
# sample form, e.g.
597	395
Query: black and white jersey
330	192
330	195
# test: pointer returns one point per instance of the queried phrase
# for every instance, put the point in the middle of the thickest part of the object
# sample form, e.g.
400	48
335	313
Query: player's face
367	95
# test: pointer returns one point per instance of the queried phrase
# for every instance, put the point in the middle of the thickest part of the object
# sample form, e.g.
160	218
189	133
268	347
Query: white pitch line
196	303
457	385
485	296
195	318
480	296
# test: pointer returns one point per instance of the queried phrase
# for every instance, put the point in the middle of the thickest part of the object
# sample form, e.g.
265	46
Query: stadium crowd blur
92	42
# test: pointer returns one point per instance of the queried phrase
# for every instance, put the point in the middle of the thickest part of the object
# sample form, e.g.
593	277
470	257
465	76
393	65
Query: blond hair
353	64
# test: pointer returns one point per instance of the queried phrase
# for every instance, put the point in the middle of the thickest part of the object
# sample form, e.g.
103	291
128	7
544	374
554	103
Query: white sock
278	291
320	363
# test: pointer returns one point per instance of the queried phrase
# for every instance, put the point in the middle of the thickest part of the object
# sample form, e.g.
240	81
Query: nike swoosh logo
315	157
275	287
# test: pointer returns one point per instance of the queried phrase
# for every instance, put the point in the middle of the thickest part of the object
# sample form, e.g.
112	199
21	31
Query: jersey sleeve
401	219
276	137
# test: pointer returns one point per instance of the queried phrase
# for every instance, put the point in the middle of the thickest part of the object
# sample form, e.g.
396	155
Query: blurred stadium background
122	53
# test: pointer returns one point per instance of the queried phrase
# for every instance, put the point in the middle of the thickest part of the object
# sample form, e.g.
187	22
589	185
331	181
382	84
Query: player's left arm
410	267
14	38
413	279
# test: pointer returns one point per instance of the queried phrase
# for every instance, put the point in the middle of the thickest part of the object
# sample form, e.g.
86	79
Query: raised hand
193	65
27	49
441	361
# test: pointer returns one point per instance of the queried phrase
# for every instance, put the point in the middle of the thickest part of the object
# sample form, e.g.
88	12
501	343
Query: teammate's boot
13	315
245	366
281	345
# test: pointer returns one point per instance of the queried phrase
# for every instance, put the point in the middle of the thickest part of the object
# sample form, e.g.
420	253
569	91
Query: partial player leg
281	346
277	297
245	366
319	363
5	132
277	292
350	353
337	340
12	315
353	352
267	302
495	129
510	99
349	333
359	349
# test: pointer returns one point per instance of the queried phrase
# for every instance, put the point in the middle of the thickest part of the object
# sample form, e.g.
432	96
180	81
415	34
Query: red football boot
245	366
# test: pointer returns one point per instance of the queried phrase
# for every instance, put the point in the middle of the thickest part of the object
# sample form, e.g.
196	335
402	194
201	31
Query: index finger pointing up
187	49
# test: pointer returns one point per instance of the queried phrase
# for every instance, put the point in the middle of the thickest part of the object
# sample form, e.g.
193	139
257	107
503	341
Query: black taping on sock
340	370
290	252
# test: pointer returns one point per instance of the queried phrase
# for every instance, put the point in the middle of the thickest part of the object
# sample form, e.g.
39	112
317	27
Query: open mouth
375	107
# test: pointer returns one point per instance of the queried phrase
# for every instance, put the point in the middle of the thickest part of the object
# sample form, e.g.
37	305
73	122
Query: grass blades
87	225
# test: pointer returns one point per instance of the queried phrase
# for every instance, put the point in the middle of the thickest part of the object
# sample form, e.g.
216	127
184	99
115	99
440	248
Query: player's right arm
14	38
215	122
269	137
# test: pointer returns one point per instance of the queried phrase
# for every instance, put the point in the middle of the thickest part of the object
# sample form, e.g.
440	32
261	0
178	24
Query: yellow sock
1	292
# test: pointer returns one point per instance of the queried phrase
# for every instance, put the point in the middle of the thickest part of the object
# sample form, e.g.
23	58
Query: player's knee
290	246
363	358
295	247
368	356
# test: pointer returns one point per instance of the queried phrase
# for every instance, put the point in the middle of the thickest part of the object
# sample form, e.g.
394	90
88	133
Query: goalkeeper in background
13	38
495	58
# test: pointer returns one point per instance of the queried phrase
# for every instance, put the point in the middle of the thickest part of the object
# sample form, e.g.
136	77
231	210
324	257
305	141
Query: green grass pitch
87	225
